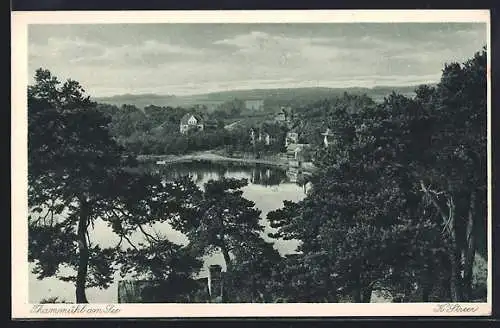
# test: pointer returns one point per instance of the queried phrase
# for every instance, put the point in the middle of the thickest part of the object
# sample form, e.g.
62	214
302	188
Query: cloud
283	48
179	62
142	52
64	48
78	51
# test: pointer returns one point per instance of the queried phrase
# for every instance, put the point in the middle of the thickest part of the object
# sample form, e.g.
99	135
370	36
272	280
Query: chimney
215	285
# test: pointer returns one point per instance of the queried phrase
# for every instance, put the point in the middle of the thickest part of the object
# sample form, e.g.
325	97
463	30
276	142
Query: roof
185	118
293	147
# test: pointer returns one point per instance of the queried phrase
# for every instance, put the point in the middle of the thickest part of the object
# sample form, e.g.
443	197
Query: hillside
272	97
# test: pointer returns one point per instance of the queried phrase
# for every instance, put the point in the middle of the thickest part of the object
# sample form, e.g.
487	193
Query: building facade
190	122
254	104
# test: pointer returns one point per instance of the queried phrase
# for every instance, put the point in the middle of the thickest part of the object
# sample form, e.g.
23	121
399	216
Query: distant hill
272	97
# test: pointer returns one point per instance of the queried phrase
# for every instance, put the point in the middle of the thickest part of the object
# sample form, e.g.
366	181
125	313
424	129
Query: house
254	104
291	138
191	122
280	117
206	290
298	153
295	151
292	173
252	136
262	136
267	138
284	115
292	151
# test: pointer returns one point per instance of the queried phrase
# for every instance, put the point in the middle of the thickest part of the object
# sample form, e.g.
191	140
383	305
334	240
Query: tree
363	201
252	269
453	173
230	108
399	201
77	175
68	143
168	268
312	120
129	120
220	219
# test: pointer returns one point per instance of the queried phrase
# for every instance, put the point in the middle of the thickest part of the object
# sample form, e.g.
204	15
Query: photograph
250	160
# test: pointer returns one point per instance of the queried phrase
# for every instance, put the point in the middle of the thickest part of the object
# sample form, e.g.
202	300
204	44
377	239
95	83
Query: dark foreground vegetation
398	205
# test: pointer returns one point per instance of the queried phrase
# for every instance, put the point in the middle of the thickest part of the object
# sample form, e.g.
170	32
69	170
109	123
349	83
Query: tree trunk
455	281
227	258
357	295
357	292
425	293
427	282
470	249
367	294
83	253
227	281
454	256
426	285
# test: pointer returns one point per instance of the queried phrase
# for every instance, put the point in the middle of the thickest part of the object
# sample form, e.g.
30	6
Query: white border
19	23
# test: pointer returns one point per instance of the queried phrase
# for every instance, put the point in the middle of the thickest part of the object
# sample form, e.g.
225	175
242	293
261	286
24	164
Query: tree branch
40	218
128	240
88	237
149	237
451	211
430	193
120	242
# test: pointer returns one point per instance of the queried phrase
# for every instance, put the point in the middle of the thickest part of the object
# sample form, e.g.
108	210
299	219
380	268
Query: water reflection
201	171
268	188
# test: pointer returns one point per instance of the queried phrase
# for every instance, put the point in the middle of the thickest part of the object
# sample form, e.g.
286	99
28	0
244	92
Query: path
209	156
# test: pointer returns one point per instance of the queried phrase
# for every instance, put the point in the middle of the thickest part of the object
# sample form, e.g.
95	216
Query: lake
268	187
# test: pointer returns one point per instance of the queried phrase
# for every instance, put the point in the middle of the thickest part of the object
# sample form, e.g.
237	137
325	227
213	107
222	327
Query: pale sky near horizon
180	59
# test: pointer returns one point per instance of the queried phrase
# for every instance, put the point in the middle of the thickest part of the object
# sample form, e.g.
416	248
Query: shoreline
207	156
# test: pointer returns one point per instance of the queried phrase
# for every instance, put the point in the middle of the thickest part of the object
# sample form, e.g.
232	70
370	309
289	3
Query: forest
155	130
398	203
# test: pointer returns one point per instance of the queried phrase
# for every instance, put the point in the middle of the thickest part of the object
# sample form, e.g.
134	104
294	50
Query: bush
479	278
53	300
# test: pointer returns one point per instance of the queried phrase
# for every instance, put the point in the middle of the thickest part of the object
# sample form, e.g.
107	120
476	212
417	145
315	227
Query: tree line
398	204
155	130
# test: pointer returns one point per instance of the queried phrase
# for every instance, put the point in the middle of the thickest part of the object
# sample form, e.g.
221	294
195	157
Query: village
226	173
296	157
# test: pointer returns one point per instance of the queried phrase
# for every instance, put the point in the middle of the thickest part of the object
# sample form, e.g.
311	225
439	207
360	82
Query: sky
182	59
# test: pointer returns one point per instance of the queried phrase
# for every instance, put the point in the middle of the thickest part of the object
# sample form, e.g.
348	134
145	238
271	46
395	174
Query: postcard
251	163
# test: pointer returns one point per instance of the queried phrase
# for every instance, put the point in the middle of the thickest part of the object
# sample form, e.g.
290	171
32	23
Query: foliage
78	174
479	278
168	266
252	269
398	203
53	300
375	218
222	220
